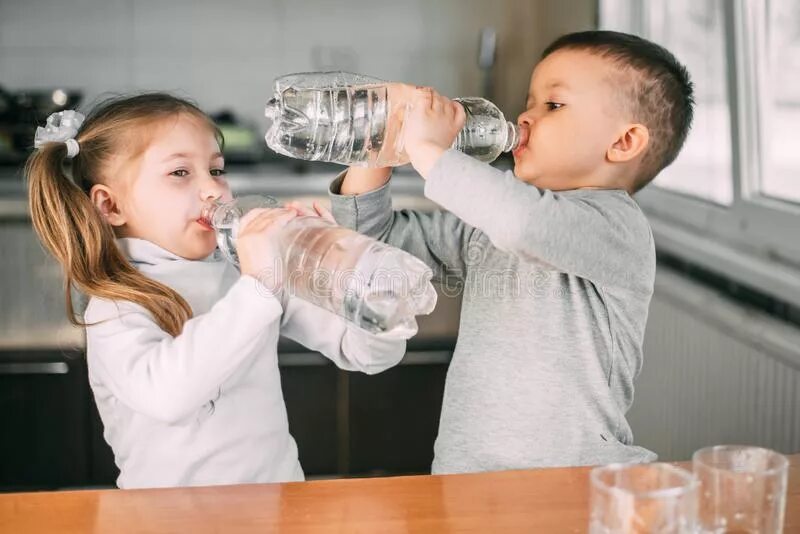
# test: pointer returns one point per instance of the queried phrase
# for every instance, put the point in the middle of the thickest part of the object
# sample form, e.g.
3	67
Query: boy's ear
631	143
106	203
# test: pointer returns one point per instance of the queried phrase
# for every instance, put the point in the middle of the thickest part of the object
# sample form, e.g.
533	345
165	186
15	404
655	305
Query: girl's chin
197	254
200	247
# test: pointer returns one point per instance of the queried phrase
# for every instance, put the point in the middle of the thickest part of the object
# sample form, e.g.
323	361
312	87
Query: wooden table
545	500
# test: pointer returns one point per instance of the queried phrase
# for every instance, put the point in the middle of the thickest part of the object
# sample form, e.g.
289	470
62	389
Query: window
781	128
695	33
731	200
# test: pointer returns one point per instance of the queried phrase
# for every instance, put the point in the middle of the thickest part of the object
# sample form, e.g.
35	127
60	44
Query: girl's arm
169	378
348	346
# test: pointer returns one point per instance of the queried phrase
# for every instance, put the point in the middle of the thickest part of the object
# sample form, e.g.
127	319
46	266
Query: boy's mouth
524	135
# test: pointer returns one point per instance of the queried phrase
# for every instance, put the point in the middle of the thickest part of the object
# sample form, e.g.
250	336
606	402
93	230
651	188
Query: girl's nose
214	188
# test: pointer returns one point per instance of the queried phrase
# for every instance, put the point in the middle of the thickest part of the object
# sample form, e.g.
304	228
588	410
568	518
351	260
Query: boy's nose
524	119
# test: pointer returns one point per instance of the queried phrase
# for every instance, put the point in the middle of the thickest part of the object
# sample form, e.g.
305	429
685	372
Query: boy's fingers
460	115
436	103
449	109
423	97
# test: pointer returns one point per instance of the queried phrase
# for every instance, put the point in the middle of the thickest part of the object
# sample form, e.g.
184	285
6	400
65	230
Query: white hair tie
72	148
62	127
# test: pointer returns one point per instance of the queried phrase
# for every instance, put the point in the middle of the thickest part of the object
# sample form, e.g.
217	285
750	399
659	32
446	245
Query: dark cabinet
310	392
44	420
394	418
344	423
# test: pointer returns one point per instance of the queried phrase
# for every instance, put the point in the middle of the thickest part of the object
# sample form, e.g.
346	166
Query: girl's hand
315	210
257	245
431	126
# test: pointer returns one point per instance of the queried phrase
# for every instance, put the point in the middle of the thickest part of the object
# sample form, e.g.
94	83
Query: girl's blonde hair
72	228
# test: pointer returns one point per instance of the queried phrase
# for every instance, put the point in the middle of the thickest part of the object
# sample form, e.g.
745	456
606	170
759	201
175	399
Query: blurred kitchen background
722	350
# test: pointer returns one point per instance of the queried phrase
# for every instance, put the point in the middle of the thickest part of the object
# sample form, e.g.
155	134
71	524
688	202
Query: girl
181	348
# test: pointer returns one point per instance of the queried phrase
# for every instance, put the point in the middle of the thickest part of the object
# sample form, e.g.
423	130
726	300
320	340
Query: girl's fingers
324	212
250	217
315	210
300	208
265	218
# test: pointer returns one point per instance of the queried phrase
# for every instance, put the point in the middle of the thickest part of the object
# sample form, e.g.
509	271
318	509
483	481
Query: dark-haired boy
557	260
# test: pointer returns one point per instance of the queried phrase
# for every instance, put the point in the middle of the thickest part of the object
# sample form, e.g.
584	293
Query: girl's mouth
204	223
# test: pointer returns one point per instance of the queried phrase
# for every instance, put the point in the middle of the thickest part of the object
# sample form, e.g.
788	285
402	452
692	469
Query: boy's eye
552	106
180	172
218	172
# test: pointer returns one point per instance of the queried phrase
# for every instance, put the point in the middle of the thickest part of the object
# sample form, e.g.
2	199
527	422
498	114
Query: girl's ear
105	201
631	143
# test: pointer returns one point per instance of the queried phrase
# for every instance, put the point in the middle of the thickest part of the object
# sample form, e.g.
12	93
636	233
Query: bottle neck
512	137
273	109
210	211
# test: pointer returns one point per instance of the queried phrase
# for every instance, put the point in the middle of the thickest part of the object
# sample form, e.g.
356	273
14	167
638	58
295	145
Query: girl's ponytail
72	229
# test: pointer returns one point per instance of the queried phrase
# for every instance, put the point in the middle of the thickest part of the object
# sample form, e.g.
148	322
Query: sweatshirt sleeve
599	235
438	238
349	347
168	378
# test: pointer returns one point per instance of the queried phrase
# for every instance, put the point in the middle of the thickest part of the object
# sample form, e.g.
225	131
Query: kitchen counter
32	282
276	180
544	500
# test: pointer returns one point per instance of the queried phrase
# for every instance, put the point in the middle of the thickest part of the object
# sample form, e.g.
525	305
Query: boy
543	370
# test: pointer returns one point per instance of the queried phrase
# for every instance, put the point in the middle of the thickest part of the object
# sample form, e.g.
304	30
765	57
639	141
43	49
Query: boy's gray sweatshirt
556	288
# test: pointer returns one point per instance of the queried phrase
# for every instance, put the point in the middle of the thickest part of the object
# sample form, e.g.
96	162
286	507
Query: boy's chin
543	181
525	173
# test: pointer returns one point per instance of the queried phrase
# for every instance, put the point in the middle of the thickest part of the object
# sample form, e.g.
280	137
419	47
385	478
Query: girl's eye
552	106
180	173
218	172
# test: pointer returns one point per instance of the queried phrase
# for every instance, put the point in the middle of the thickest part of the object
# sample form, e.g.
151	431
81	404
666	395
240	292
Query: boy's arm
361	200
597	238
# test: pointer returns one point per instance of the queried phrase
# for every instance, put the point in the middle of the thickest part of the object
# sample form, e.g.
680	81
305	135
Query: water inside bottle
337	117
486	133
374	286
226	241
394	287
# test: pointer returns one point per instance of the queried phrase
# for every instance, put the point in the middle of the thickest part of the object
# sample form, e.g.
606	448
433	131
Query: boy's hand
431	126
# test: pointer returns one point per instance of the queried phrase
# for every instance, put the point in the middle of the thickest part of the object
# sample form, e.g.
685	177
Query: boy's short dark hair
660	91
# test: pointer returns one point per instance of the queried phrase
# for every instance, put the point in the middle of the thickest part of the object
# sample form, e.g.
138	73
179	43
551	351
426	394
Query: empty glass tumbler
642	498
742	489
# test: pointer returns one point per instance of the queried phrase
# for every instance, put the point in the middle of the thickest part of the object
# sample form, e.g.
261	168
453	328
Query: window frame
756	239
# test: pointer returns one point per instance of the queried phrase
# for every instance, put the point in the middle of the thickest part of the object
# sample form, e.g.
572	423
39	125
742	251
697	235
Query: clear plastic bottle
357	120
374	286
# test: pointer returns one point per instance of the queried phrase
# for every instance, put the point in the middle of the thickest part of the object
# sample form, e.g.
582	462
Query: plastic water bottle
373	285
358	120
